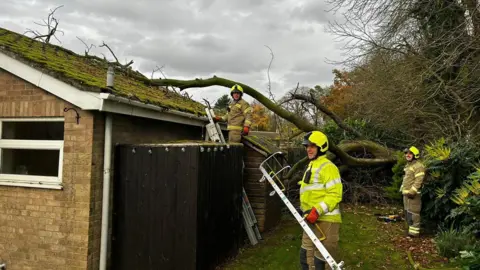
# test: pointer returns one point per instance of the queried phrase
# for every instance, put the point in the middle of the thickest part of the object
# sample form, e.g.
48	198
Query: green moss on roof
263	143
90	73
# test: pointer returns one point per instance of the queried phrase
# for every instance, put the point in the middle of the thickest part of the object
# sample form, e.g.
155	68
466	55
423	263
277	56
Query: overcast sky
198	38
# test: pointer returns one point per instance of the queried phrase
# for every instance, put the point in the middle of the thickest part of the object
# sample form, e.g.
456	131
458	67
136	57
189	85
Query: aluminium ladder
249	220
272	174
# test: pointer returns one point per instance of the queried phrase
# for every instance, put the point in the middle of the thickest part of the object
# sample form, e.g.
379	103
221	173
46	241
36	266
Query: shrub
449	166
470	259
393	191
451	241
367	128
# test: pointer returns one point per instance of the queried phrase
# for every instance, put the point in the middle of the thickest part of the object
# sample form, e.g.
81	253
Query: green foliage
438	150
451	241
468	200
392	191
365	127
449	166
363	184
470	259
222	102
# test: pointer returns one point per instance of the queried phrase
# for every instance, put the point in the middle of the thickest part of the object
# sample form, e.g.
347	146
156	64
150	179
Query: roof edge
121	105
94	101
82	99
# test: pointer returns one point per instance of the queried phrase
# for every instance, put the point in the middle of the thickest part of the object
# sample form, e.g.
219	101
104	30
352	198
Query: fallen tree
382	155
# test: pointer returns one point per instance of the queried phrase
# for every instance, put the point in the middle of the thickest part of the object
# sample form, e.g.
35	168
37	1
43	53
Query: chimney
110	76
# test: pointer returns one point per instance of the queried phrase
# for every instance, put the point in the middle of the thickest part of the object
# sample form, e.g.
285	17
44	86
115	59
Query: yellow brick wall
43	228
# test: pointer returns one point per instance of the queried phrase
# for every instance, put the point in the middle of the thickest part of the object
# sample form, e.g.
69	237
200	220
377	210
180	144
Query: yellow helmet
317	138
236	88
413	150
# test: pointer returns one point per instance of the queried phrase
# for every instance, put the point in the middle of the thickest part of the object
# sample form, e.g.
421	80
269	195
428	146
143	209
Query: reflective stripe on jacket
324	191
239	115
413	178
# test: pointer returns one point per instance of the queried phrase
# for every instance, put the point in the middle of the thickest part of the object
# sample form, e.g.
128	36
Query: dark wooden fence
176	206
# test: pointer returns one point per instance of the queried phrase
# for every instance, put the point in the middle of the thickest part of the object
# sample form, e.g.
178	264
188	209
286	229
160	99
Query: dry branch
87	48
52	28
116	59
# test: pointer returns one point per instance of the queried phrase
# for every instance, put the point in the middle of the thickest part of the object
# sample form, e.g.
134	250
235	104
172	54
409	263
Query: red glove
311	215
217	119
245	131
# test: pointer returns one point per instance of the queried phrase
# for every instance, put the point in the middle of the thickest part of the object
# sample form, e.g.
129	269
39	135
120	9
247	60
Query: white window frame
20	180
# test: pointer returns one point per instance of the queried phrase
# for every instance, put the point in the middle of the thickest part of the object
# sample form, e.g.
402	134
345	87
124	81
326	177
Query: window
31	152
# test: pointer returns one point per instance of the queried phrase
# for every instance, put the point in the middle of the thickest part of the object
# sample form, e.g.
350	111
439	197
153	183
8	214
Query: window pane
32	130
30	162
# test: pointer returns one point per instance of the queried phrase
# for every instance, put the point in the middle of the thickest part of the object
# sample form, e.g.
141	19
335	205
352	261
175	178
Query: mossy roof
263	143
89	73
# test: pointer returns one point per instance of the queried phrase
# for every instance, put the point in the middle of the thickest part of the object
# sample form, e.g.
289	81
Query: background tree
222	102
414	65
261	118
339	96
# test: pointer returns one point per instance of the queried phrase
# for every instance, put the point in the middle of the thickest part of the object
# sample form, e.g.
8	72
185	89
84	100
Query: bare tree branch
116	59
268	74
87	48
52	28
157	68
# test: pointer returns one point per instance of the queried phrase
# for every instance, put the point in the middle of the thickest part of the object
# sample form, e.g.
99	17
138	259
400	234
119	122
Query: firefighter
239	116
320	196
411	186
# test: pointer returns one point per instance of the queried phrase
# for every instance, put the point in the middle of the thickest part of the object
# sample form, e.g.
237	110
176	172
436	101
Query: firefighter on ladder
320	195
239	116
412	183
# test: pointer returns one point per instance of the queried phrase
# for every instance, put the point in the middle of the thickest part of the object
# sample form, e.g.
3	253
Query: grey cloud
310	78
197	38
209	42
196	59
313	11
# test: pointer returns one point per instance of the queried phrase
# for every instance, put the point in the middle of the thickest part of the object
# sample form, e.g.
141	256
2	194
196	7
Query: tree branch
116	59
52	28
87	49
328	112
297	167
268	74
289	116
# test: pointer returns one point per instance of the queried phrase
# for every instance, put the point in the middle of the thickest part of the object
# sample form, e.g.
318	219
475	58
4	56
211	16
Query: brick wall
42	228
61	229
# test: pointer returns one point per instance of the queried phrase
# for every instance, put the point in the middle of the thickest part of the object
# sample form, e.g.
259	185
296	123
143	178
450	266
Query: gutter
111	97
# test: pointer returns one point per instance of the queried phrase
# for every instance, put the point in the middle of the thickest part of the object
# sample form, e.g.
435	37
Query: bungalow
58	122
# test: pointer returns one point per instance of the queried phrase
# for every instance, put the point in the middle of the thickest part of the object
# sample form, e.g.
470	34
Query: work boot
303	259
319	264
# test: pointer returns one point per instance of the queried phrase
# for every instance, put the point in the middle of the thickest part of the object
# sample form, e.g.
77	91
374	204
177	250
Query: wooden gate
176	206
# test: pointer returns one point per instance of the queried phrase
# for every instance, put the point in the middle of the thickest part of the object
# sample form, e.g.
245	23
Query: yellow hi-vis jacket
239	115
324	191
413	178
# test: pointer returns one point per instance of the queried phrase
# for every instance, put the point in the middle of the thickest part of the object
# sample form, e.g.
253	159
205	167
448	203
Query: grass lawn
365	243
